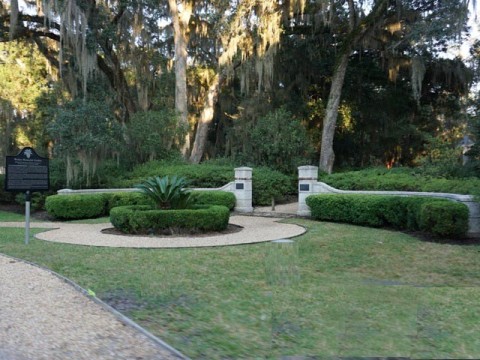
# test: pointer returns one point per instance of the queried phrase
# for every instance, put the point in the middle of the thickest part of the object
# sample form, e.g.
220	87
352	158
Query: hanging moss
73	35
418	73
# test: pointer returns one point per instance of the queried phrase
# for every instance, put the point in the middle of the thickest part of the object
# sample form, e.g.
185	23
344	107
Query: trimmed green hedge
442	220
213	197
87	206
75	206
440	217
144	219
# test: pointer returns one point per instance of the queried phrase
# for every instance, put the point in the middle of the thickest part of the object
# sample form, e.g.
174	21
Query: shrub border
75	206
440	217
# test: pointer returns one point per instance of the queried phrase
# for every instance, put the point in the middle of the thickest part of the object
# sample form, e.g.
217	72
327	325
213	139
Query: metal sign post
27	172
27	216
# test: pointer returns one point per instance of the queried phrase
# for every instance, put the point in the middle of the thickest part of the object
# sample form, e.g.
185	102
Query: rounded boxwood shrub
213	198
141	219
436	219
75	206
440	217
124	198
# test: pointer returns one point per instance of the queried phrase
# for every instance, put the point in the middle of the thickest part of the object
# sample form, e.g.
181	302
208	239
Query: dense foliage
155	133
440	217
89	82
86	131
280	141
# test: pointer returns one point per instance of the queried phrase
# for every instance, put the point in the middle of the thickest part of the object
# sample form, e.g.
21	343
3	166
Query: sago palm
167	192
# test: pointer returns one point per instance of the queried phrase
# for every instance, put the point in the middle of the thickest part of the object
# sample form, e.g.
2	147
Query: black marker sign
26	172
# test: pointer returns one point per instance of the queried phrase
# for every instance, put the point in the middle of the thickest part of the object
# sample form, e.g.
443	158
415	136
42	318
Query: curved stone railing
308	185
241	188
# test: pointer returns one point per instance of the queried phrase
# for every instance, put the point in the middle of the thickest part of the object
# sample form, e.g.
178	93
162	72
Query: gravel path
281	210
255	229
43	317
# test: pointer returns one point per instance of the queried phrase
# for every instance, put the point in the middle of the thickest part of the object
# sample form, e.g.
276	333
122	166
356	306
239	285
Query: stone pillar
307	178
243	189
473	217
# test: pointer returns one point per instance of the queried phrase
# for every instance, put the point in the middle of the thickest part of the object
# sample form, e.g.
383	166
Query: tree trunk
180	28
13	18
181	99
327	156
357	32
206	117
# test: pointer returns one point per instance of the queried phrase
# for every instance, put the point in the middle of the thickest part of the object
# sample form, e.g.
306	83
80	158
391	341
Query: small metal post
282	263
27	216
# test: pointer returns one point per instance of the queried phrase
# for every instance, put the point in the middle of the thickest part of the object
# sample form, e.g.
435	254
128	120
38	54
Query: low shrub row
141	219
71	207
202	176
267	183
85	206
440	217
399	179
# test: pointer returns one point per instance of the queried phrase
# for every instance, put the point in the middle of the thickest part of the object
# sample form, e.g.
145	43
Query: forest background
102	86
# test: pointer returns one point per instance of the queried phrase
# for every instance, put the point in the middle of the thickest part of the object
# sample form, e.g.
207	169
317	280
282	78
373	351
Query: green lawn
339	290
11	216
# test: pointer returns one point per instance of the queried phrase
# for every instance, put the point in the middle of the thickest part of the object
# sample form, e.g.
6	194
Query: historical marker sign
26	172
304	187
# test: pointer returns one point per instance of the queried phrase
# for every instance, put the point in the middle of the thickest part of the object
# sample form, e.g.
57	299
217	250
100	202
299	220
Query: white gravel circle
255	229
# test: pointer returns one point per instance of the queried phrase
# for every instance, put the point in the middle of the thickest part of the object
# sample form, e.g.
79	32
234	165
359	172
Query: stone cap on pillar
243	173
308	172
